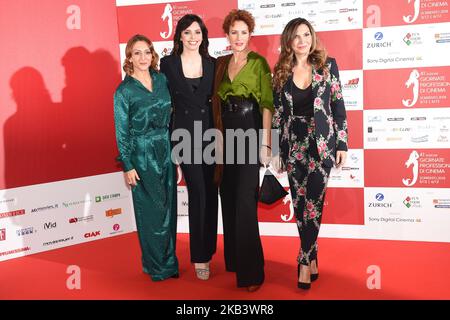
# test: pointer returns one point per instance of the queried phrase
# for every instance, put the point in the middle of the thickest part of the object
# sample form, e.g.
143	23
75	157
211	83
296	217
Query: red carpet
110	269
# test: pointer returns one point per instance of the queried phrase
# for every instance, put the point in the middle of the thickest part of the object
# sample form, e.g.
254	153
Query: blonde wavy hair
127	64
287	60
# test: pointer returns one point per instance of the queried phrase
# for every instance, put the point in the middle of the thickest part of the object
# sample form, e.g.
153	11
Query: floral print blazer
329	115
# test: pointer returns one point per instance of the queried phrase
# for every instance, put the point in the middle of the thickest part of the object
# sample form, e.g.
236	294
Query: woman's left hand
341	156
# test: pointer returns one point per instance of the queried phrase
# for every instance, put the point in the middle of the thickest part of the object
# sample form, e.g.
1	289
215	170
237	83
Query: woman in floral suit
311	120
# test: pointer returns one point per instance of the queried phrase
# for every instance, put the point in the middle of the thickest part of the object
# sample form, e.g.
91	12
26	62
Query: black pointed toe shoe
302	285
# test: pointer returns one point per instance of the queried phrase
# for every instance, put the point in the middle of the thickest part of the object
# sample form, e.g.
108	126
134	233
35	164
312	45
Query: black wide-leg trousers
203	202
239	198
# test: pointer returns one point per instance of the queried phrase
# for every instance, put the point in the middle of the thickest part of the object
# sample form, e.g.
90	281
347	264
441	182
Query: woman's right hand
276	164
131	177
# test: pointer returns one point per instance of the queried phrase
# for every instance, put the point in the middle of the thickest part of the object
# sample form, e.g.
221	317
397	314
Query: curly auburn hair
287	60
238	15
127	64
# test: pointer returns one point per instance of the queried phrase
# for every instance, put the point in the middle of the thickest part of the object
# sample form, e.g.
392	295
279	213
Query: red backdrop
60	67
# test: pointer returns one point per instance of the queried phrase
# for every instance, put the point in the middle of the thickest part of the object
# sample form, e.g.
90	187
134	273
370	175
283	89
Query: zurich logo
379	197
378	36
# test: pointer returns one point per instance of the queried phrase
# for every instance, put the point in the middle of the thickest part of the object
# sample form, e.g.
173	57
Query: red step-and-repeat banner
59	181
394	66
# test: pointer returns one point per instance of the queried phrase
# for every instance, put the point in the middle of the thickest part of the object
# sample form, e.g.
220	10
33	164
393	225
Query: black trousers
239	199
308	179
203	201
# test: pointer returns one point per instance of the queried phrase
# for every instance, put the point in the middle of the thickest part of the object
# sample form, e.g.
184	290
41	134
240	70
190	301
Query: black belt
240	104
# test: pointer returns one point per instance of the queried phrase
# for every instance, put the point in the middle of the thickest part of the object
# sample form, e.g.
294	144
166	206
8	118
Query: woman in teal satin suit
142	108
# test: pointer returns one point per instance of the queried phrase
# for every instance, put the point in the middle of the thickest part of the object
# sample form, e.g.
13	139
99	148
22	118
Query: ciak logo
413	82
414	162
412	18
167	14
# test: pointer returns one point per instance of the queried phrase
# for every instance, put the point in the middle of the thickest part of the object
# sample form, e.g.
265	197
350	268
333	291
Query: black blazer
188	106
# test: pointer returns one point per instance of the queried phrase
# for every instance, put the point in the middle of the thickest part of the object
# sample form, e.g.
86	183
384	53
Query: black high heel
302	285
315	276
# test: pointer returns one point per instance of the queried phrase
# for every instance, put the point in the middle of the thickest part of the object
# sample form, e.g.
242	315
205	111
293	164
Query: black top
193	83
303	101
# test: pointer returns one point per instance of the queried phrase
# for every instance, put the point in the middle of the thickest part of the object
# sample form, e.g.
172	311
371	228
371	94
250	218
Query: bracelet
265	145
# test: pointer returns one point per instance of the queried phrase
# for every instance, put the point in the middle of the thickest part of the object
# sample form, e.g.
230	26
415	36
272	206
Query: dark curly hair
182	25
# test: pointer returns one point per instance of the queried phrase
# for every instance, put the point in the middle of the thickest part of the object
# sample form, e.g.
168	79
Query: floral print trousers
308	181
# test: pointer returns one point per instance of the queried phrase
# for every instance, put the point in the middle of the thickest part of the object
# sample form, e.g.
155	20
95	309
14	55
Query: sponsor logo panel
44	208
50	225
26	231
406	128
272	17
113	212
412	210
84	219
10	214
7	202
92	234
109	197
58	241
351	174
14	251
441	203
352	89
417	168
116	229
341	206
71	203
158	21
408	12
405	46
412	88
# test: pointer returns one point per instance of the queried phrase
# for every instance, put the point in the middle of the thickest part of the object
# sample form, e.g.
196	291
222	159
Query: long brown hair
127	64
287	60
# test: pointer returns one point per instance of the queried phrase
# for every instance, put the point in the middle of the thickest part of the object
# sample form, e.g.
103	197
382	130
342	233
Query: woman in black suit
190	73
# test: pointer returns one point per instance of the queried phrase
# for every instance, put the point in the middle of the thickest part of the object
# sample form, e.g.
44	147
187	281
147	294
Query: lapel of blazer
317	89
320	101
182	84
204	87
287	98
320	97
221	64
